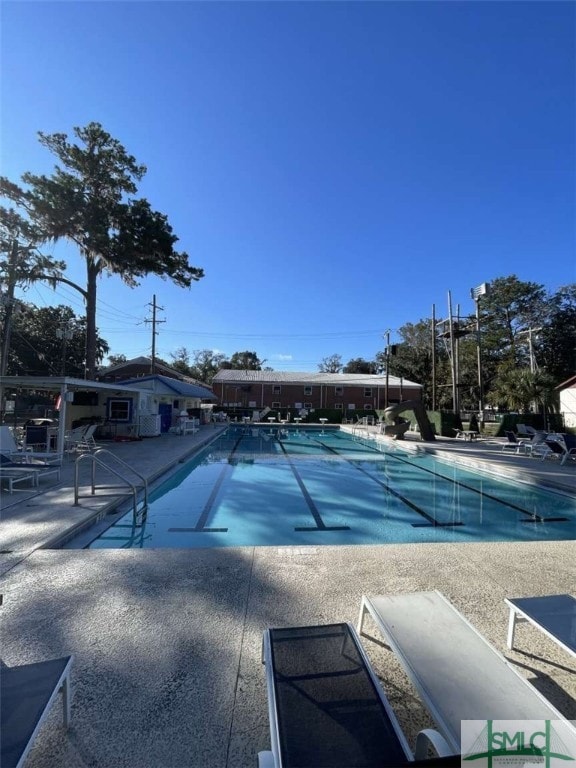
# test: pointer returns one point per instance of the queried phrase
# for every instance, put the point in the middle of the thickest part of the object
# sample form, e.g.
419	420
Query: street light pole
476	294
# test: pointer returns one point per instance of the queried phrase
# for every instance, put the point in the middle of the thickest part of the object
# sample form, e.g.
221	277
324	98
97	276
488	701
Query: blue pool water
262	486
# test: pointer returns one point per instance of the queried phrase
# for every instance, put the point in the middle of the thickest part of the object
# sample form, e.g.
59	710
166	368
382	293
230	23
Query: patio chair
326	706
514	444
73	437
88	442
9	447
26	695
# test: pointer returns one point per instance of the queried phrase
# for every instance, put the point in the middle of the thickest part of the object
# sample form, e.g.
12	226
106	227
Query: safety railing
96	460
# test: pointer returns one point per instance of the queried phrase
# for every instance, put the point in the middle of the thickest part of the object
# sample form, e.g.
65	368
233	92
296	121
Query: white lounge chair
514	444
555	615
457	673
13	476
20	471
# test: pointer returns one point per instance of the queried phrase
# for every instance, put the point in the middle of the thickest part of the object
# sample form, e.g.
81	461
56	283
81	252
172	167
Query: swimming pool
270	486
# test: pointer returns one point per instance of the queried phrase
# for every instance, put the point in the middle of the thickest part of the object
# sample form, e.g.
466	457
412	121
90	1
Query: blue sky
335	167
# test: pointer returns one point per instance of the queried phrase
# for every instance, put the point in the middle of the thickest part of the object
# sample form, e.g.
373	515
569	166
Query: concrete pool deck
167	670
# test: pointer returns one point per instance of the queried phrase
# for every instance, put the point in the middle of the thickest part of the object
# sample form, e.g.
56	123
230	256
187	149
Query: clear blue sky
335	167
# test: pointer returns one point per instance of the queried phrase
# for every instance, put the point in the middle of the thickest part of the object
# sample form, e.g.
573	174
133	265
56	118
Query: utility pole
65	333
154	322
530	331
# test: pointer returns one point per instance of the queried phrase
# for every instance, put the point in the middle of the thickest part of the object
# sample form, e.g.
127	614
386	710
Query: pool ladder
96	460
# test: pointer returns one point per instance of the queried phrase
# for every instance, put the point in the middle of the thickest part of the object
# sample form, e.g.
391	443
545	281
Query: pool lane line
414	507
320	524
204	515
532	516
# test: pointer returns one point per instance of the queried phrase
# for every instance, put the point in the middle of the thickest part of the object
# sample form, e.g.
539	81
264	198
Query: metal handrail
94	457
128	466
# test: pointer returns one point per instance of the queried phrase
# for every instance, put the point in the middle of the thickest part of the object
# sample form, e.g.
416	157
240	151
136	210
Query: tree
181	361
39	348
332	364
87	200
201	364
556	344
511	307
245	361
359	365
117	359
20	264
517	389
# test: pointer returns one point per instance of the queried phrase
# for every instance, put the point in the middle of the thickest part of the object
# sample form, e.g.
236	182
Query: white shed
567	392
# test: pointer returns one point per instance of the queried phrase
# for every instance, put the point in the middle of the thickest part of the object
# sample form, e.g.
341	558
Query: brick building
338	391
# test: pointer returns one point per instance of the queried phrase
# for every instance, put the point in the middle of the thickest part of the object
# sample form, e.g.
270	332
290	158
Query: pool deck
167	670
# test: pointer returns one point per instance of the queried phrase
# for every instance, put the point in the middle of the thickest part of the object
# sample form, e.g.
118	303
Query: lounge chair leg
511	628
361	616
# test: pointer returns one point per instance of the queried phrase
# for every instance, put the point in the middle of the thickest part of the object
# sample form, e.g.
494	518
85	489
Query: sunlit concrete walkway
167	668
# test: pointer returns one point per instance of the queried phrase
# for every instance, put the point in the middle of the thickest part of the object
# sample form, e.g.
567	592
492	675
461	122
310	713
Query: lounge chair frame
26	695
19	471
457	673
15	475
554	615
349	709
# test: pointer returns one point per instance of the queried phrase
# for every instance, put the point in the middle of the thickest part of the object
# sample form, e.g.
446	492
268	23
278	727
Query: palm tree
519	389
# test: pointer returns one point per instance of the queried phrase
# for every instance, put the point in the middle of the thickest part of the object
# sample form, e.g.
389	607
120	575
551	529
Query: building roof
164	385
57	383
231	376
146	364
568	384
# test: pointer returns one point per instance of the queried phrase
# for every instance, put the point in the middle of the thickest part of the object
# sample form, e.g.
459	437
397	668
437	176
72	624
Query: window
276	405
308	391
338	406
307	406
351	407
276	389
339	390
367	391
298	405
367	406
119	409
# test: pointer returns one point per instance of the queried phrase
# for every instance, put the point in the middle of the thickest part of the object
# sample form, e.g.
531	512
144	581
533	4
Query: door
165	411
